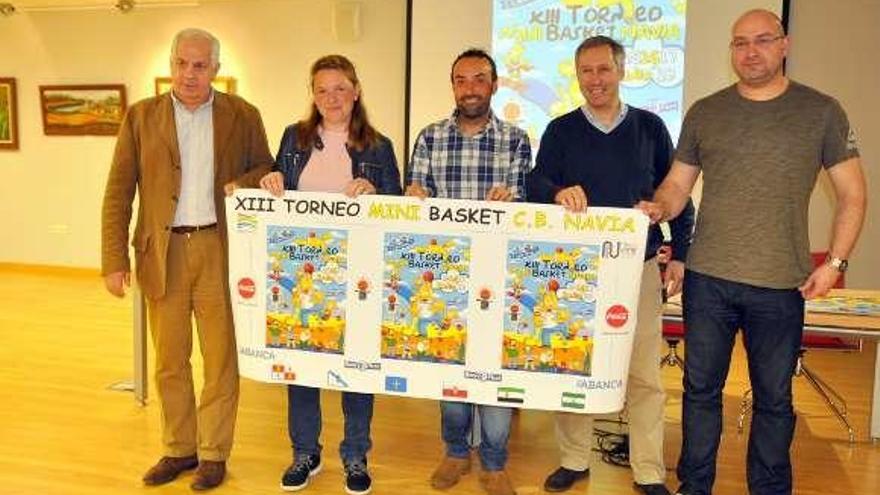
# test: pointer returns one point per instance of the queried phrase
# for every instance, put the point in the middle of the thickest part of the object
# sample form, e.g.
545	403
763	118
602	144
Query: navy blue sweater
615	170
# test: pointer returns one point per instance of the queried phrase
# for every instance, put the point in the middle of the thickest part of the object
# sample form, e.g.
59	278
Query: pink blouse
329	168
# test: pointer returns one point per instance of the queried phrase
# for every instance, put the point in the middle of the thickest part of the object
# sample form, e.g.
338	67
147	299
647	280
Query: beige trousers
196	285
645	396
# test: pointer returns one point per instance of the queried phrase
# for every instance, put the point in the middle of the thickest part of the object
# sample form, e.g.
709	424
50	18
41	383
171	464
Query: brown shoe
209	475
450	471
168	468
496	483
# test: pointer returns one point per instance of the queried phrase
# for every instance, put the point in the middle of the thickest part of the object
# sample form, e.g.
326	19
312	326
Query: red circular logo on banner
247	288
616	316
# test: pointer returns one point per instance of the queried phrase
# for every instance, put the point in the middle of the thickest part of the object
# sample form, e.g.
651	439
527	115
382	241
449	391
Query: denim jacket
376	164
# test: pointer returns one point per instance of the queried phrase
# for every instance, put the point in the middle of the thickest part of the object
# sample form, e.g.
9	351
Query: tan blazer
147	160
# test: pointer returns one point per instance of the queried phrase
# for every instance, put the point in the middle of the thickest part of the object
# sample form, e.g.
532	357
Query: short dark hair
476	53
617	50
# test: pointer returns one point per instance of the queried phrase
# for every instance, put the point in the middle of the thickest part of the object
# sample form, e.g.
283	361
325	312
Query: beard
473	110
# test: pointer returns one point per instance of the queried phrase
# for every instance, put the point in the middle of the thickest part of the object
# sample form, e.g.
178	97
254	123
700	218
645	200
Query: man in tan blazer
181	152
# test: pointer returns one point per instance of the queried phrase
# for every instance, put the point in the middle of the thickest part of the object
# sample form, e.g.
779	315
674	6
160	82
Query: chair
833	400
673	332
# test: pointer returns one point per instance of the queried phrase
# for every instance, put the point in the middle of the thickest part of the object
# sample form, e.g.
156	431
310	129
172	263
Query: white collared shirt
195	142
592	119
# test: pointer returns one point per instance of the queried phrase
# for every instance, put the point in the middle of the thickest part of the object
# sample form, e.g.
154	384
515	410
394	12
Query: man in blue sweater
607	153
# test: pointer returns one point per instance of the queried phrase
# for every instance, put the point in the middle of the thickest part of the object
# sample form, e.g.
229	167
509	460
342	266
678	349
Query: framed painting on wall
82	110
8	115
224	84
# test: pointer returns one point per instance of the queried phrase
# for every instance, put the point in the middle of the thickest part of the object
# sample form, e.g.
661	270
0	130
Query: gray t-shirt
759	161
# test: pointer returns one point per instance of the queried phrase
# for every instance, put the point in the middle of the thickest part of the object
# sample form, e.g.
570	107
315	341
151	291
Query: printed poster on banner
511	304
425	290
550	305
306	289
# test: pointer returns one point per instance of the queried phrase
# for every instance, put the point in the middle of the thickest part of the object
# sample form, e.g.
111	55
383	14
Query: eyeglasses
761	43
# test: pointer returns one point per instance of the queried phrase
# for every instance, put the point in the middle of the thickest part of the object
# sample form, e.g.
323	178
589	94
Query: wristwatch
839	264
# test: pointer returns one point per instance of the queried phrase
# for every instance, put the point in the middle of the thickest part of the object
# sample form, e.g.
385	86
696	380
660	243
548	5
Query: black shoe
652	488
357	478
562	479
296	476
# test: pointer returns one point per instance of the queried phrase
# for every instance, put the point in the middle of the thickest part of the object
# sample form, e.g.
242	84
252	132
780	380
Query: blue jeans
304	422
772	322
456	419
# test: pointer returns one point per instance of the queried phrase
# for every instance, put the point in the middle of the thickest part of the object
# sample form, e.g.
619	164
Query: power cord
613	446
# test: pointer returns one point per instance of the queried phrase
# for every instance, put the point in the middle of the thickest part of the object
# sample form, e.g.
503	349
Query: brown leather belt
189	229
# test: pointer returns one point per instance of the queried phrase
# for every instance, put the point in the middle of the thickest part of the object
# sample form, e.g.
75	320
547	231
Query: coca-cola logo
616	316
247	288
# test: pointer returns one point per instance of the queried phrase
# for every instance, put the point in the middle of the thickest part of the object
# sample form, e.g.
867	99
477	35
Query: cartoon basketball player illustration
426	307
306	297
549	317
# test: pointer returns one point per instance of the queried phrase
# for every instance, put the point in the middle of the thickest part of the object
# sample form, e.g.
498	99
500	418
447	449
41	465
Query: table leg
875	398
139	327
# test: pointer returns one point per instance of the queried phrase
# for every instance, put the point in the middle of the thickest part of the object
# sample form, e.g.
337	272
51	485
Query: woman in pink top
334	150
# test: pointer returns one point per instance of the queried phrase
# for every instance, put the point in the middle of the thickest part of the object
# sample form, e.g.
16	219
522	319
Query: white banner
512	304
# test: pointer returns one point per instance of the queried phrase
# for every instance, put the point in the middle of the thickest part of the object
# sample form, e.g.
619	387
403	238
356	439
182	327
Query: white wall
707	67
51	190
834	50
435	46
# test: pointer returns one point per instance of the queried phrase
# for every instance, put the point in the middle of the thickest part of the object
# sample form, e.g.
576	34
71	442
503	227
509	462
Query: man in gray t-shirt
759	161
759	144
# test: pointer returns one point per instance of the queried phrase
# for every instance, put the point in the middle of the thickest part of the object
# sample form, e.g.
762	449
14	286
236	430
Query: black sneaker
296	476
562	479
652	488
357	478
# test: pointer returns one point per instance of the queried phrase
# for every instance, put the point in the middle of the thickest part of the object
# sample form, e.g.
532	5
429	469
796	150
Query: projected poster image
533	43
550	307
425	298
306	289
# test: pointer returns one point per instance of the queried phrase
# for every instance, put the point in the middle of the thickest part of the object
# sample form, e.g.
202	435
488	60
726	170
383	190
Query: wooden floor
64	341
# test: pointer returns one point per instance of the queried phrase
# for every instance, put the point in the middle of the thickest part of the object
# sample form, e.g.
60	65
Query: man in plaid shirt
472	155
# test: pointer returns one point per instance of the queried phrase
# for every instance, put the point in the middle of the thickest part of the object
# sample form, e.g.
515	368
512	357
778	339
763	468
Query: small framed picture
82	110
8	115
224	84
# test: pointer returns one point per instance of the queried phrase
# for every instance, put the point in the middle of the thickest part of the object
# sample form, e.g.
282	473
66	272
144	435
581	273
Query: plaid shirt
450	165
